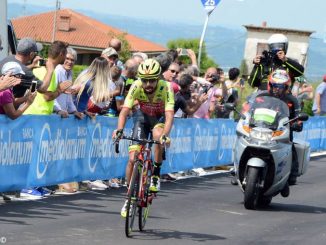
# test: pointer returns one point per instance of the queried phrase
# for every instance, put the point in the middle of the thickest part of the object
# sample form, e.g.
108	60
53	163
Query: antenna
57	6
24	8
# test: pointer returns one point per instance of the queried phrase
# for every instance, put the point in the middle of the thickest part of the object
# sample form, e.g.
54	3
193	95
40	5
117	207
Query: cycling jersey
163	99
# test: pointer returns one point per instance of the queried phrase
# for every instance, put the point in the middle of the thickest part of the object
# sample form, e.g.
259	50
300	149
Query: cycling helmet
277	42
279	82
149	69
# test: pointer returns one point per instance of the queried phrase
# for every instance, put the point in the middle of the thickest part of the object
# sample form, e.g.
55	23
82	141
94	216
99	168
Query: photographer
185	103
214	85
270	60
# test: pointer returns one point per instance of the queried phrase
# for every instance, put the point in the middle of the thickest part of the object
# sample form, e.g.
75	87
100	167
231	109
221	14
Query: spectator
64	105
7	81
128	73
93	82
319	106
215	78
8	103
232	84
139	57
302	90
192	56
111	55
27	57
117	45
44	103
171	76
108	108
183	105
164	60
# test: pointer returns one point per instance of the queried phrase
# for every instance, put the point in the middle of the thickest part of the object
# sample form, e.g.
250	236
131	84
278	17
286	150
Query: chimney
264	24
64	23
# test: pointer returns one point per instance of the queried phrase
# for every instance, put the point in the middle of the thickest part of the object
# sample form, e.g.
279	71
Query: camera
215	78
183	52
267	57
42	62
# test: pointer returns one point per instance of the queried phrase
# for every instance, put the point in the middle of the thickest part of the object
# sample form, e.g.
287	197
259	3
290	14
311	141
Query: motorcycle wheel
251	192
264	201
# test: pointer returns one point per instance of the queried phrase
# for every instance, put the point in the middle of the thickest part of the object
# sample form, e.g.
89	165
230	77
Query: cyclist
154	114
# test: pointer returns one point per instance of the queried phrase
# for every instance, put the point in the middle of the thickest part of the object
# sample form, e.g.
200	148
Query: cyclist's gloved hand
165	140
117	134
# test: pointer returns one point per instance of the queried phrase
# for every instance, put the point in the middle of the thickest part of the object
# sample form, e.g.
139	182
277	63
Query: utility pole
209	6
57	6
3	29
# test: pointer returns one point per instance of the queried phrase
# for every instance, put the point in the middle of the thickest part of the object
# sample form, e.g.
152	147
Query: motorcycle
263	151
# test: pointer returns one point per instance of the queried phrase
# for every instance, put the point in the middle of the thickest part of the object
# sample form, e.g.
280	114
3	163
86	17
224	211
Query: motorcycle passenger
155	114
270	60
279	82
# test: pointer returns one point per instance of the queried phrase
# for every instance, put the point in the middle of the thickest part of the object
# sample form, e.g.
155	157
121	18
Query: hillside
224	45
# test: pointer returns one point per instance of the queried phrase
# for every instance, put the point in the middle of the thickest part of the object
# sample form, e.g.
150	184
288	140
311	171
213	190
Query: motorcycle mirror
229	106
303	116
232	107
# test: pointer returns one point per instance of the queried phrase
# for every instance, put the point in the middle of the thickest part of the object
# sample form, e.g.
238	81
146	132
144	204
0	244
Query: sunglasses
174	71
149	80
279	86
1	48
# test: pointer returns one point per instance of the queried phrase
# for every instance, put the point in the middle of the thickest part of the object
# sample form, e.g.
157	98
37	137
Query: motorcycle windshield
267	111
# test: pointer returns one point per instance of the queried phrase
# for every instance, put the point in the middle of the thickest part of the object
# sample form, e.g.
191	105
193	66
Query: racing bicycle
138	194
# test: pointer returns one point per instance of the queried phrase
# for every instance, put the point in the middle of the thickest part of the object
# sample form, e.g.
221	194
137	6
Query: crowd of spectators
101	88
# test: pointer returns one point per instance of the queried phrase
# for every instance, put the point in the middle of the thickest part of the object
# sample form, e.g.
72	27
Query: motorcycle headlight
263	134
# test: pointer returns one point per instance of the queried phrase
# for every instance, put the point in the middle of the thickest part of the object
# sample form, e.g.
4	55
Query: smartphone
42	62
33	86
183	52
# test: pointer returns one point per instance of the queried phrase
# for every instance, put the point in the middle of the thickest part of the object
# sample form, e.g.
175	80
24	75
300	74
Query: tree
243	68
193	44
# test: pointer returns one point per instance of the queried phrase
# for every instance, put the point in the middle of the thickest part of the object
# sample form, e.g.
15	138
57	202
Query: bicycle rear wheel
143	211
132	200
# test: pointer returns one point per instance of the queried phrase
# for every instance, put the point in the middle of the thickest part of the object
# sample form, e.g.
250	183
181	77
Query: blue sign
210	5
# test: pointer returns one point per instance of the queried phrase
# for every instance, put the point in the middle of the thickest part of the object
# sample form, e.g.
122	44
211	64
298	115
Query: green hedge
76	70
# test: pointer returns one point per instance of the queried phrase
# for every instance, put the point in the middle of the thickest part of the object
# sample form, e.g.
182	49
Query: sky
294	14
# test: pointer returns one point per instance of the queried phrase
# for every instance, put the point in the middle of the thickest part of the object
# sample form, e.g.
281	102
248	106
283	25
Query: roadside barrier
47	150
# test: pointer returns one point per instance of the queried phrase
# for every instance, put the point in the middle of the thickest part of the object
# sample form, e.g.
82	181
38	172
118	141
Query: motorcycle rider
270	60
279	82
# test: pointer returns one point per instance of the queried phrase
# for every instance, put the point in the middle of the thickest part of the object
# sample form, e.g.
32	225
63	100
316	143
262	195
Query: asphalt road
201	210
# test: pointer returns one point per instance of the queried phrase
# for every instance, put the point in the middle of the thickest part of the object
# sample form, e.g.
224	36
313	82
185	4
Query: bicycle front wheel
143	211
132	200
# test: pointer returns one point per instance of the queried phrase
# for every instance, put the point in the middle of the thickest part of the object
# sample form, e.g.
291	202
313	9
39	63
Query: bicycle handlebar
142	141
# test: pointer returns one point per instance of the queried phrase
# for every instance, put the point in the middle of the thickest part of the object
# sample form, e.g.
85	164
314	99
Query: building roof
83	31
276	29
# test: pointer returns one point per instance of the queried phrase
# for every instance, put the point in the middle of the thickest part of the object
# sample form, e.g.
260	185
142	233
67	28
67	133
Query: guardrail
47	150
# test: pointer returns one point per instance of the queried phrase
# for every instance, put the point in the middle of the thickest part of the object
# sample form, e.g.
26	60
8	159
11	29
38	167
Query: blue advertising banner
47	150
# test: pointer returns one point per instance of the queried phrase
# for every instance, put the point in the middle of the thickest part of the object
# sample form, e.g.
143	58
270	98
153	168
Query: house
86	35
257	37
